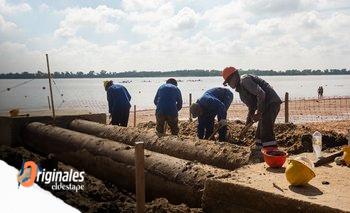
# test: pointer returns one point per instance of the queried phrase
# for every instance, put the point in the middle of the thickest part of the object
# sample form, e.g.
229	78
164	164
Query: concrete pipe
178	180
222	155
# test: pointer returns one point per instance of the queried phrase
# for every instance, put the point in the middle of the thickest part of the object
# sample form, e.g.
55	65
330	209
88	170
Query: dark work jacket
214	102
118	99
256	93
224	95
168	100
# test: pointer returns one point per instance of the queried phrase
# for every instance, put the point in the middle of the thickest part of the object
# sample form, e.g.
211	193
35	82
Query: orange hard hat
227	72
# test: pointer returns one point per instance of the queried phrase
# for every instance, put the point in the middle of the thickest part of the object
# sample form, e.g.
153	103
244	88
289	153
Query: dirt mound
147	125
298	138
295	138
162	205
97	196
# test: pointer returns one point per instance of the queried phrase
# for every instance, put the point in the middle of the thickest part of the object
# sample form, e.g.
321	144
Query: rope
18	85
60	92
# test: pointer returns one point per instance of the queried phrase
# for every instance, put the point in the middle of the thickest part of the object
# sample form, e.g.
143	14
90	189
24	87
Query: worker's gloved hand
256	117
223	122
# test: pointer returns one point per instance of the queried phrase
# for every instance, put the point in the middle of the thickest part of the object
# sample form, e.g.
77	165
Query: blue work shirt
168	100
222	94
118	98
214	102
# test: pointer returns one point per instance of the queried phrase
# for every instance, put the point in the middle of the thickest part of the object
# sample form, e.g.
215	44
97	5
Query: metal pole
140	177
49	76
134	115
190	103
286	108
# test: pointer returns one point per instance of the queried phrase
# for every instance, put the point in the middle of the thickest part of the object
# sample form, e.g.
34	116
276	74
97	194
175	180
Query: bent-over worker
214	102
119	105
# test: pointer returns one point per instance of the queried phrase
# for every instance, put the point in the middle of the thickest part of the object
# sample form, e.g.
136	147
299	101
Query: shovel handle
330	158
244	130
216	131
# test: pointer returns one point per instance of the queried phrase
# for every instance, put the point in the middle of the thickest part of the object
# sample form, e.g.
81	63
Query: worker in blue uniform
168	101
119	105
214	103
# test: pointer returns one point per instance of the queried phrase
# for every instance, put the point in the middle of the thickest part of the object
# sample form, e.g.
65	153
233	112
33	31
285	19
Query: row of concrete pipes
175	168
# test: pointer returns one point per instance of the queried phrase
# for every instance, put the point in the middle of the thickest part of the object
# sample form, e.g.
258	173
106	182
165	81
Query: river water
89	93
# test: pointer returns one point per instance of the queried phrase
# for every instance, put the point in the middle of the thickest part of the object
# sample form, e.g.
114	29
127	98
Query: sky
167	35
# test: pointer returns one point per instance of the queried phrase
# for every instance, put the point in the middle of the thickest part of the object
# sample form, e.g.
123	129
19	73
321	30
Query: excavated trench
177	168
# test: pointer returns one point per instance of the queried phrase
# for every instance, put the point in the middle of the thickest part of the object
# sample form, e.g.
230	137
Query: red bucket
274	158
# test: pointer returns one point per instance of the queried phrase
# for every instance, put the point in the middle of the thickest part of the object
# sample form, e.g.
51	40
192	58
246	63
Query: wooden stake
286	108
134	115
51	95
48	101
190	103
140	177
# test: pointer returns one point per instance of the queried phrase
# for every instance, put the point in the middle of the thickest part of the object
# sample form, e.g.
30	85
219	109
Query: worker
169	102
214	102
119	105
263	105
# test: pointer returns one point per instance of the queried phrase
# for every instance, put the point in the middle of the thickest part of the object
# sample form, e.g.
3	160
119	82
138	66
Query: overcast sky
83	35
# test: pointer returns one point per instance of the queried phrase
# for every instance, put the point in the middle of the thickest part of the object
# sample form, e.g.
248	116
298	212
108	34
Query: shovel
245	130
214	133
328	159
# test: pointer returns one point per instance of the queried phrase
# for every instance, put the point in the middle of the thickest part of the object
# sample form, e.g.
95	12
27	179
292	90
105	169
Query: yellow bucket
299	171
14	112
346	154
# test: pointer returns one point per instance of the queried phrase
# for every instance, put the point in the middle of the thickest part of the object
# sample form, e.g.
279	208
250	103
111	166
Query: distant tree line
178	73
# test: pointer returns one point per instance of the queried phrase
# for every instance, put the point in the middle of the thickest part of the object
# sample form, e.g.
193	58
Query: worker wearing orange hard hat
262	101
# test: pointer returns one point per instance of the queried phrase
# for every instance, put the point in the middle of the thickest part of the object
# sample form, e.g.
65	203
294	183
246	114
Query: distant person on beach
214	102
169	102
119	105
263	105
320	92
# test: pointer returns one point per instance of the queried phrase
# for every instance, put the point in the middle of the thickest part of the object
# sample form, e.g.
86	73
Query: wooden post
140	177
49	76
48	101
134	115
286	108
190	103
